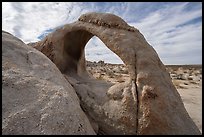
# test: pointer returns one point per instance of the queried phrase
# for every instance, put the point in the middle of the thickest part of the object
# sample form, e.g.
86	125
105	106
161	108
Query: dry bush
194	82
100	77
111	74
176	83
120	78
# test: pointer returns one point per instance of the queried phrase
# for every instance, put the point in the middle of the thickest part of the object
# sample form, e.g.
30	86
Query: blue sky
174	29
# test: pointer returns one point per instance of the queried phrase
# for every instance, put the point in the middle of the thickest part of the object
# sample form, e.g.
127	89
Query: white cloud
96	50
27	20
165	25
175	40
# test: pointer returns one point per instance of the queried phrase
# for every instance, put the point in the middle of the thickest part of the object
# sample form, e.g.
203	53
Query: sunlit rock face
36	98
146	104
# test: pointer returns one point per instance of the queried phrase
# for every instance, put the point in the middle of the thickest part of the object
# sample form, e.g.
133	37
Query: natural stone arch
146	104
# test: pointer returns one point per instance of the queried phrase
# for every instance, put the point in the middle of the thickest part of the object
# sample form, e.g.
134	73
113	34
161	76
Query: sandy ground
192	99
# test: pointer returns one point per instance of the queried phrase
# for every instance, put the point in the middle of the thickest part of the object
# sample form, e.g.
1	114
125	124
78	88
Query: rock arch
146	104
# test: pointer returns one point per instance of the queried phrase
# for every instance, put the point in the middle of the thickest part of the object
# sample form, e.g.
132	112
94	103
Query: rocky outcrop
148	103
36	98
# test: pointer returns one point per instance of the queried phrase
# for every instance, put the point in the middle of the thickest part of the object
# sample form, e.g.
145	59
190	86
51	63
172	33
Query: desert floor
192	99
186	78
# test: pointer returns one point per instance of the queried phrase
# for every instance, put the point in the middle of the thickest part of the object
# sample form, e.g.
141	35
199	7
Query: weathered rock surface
36	98
148	103
189	90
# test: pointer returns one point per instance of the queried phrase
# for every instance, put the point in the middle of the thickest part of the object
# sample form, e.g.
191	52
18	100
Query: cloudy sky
174	29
